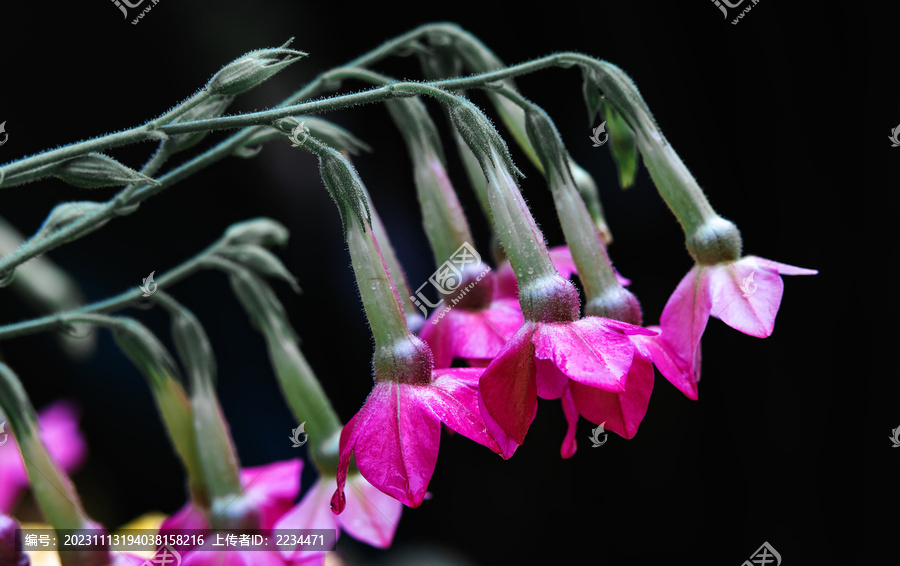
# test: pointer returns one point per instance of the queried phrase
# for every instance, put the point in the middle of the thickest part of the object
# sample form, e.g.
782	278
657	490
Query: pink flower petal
593	351
313	512
273	487
453	398
59	431
561	256
345	450
569	445
508	391
685	315
622	411
745	297
232	557
188	517
505	284
477	334
670	365
551	383
781	268
396	442
371	516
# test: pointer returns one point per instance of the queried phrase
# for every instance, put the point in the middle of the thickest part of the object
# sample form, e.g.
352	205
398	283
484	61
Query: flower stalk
53	490
605	295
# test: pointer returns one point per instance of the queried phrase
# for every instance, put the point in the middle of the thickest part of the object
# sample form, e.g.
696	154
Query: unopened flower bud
66	213
96	170
258	231
212	107
252	69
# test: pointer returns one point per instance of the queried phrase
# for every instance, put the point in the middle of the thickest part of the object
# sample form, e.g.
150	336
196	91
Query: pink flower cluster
599	368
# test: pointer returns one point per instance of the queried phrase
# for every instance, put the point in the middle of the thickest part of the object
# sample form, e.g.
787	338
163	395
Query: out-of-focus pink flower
9	556
59	432
744	294
273	487
370	515
232	557
396	435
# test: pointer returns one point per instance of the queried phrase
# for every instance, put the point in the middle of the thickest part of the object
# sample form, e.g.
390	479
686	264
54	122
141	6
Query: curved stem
687	201
122	300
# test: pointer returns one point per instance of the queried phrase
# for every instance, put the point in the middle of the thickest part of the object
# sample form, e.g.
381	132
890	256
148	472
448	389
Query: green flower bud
262	261
258	231
95	170
66	213
211	107
252	69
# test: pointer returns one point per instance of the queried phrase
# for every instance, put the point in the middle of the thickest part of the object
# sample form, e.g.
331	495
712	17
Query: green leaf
623	145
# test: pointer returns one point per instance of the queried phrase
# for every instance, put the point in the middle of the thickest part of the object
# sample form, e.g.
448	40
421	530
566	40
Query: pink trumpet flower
59	432
744	294
273	487
396	435
588	363
370	516
476	328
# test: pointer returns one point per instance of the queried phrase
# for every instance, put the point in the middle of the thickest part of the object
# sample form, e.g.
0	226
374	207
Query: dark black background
781	445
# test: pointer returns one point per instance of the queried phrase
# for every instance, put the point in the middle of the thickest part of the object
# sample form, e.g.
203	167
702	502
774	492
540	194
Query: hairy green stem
62	320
